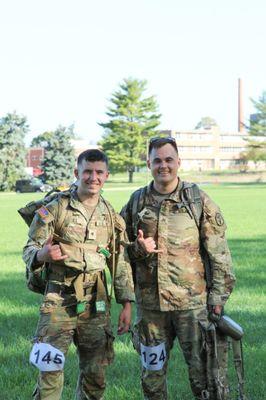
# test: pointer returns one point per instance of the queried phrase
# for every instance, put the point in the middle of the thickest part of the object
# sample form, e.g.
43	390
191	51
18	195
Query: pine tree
59	157
256	142
13	129
133	119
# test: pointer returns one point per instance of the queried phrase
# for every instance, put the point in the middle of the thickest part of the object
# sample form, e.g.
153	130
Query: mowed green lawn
244	208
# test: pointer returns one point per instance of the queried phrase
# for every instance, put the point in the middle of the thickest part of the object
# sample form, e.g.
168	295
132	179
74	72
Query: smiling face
164	163
91	176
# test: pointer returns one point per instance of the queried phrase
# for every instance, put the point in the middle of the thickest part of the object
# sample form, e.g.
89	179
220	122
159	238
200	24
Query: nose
93	175
163	164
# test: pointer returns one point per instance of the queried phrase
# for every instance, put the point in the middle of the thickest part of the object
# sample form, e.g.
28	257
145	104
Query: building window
196	149
232	149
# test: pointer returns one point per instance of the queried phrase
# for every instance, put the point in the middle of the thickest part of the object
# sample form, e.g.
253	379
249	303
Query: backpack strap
61	213
190	195
111	213
138	202
239	366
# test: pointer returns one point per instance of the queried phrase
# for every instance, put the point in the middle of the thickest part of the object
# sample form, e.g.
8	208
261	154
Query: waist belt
59	289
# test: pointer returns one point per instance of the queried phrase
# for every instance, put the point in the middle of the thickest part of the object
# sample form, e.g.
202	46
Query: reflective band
46	357
153	357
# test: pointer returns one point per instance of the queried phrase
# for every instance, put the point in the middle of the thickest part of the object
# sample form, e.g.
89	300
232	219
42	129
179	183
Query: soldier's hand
217	309
50	252
147	244
124	319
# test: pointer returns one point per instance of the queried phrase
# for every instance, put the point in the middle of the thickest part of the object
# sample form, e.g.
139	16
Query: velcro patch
219	219
43	213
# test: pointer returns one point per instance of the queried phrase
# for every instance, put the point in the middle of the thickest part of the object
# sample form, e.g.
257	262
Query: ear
148	164
179	162
76	173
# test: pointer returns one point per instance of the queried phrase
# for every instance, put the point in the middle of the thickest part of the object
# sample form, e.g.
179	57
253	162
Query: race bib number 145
153	357
46	357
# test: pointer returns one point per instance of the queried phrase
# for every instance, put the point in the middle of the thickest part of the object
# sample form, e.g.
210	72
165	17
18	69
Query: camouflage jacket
175	278
83	235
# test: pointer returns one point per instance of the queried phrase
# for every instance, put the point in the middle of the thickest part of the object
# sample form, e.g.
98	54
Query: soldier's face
91	177
164	163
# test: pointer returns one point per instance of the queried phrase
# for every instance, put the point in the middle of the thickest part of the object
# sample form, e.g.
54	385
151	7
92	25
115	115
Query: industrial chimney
241	125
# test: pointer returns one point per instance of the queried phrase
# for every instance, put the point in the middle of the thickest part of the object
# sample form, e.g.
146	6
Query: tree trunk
130	175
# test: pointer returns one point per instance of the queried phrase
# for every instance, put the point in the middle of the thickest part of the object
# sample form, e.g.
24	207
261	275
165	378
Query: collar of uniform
77	205
175	196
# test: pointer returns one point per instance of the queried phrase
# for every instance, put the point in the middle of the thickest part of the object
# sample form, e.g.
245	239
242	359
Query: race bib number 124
46	357
153	357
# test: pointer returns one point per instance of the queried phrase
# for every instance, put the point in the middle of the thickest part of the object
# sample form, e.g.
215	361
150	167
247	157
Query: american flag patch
43	212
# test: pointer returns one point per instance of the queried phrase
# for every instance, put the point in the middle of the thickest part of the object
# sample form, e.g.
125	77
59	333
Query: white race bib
46	357
153	357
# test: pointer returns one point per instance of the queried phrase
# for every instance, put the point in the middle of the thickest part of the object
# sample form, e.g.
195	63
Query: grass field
244	208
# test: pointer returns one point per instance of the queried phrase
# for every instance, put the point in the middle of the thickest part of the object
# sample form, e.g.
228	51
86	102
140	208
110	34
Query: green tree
59	157
13	129
42	140
256	142
133	119
206	123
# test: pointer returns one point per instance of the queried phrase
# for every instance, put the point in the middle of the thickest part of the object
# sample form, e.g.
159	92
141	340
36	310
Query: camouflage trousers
59	325
192	329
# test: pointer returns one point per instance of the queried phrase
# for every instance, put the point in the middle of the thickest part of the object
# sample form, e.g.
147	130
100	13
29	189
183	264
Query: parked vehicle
31	185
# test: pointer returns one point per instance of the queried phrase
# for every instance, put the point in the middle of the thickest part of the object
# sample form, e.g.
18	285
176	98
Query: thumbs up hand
147	244
50	252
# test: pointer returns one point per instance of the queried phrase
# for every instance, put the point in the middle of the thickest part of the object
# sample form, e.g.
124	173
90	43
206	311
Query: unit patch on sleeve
219	219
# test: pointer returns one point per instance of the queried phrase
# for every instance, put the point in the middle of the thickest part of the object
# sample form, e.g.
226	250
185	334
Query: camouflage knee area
154	384
91	383
152	328
56	323
49	386
94	341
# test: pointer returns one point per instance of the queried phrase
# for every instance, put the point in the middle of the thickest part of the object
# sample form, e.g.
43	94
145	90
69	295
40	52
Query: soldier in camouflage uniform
76	306
169	275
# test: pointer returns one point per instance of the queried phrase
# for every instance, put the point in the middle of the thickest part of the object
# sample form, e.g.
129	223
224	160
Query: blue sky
62	59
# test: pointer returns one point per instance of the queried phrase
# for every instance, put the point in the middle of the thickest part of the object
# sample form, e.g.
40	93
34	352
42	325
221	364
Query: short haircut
158	142
92	156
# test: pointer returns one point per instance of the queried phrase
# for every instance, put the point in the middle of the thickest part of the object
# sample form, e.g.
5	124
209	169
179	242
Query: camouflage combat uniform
170	287
80	276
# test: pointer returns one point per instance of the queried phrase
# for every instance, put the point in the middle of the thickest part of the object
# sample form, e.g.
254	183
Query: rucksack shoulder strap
190	193
63	202
137	203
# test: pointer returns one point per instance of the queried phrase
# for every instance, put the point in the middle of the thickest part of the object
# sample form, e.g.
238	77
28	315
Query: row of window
208	149
207	137
36	158
193	136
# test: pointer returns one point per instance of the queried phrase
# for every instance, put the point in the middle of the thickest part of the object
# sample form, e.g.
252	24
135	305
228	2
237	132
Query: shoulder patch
43	213
219	219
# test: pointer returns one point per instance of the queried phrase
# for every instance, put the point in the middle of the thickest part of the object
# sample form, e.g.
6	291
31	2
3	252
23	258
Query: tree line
132	118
